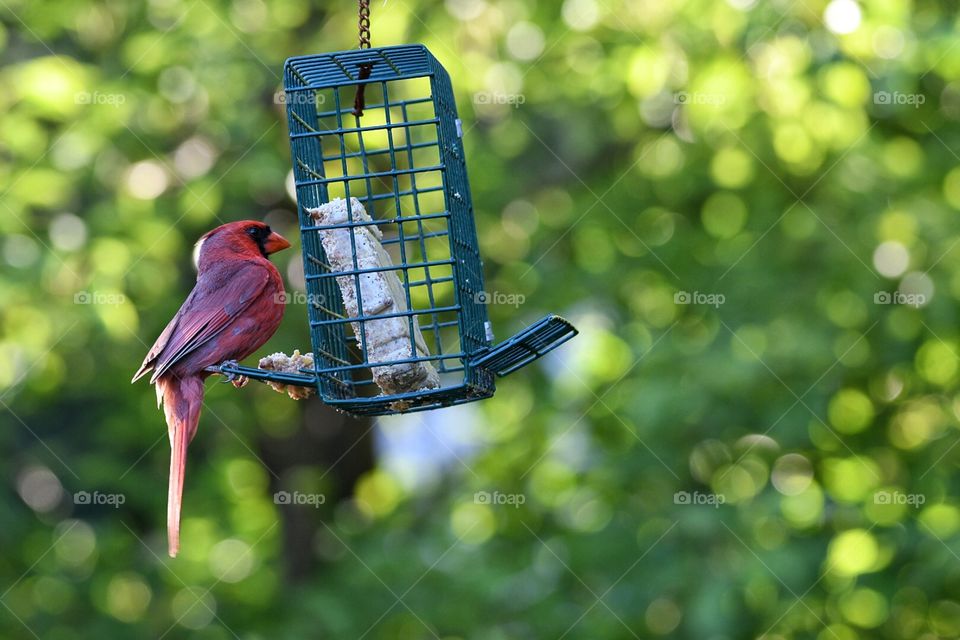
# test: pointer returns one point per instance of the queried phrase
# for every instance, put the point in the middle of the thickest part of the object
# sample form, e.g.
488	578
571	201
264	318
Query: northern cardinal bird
233	309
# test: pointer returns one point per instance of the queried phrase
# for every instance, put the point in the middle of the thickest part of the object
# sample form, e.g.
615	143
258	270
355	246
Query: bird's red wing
149	361
211	306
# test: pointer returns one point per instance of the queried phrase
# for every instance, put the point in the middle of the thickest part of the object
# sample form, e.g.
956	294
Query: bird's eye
252	232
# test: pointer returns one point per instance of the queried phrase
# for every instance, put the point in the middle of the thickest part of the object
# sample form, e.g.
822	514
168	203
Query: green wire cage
380	125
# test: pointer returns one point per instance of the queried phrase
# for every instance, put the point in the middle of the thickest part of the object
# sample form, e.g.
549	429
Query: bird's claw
228	376
236	380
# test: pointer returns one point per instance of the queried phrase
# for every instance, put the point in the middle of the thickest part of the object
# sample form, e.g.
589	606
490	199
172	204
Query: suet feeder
394	278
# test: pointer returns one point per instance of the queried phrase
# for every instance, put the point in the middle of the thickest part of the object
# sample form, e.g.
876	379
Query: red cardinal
233	309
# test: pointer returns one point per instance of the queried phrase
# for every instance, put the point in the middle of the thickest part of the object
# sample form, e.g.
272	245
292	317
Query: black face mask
260	235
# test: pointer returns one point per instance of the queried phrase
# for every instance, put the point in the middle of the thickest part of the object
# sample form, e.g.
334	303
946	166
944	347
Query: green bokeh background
789	169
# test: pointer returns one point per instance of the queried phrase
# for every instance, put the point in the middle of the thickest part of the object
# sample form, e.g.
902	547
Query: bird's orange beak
275	242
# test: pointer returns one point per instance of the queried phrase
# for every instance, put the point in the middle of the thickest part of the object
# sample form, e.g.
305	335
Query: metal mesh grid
402	159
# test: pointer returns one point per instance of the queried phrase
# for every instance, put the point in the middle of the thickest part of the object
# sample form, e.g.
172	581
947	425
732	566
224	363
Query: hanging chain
364	24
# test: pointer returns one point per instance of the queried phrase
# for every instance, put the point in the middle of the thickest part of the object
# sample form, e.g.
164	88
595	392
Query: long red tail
182	400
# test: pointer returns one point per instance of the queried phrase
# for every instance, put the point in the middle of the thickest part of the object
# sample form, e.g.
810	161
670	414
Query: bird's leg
237	381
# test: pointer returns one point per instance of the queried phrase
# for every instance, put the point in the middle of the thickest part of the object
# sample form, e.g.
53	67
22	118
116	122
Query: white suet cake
387	339
289	364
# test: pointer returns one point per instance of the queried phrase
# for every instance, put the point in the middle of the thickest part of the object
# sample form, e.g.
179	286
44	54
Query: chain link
364	24
365	68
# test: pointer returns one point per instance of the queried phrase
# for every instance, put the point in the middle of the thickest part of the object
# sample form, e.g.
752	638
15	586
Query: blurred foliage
749	209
